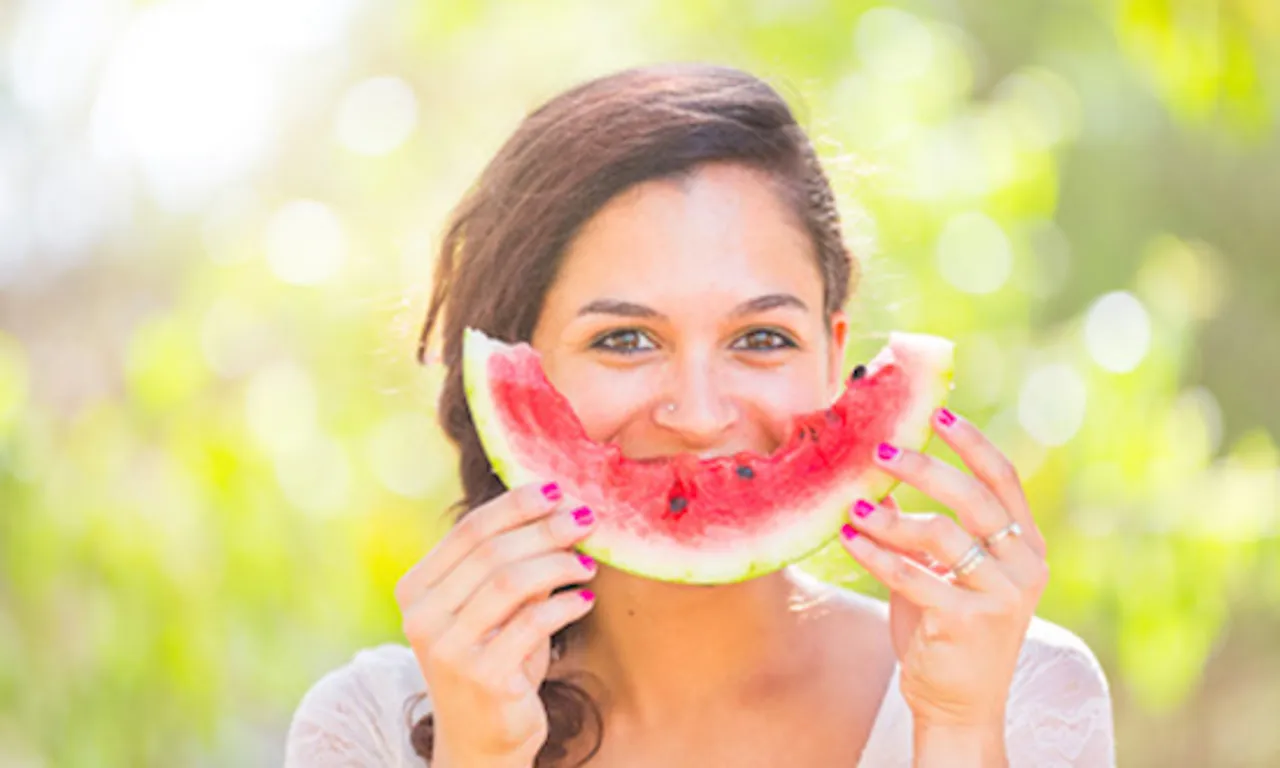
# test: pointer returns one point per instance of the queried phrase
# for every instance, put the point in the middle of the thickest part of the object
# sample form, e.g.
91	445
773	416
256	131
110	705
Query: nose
696	405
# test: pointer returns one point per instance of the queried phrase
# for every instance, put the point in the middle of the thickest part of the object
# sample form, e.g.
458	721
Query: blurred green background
217	223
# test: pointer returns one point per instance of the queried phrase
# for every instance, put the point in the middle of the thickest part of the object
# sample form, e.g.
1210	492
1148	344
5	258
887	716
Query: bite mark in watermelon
718	520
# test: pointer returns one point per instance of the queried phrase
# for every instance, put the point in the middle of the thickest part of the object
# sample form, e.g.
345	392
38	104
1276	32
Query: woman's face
703	293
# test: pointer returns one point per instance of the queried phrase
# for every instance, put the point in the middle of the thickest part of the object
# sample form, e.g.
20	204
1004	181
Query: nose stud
670	407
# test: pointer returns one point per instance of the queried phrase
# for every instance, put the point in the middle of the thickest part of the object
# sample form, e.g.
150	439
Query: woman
666	238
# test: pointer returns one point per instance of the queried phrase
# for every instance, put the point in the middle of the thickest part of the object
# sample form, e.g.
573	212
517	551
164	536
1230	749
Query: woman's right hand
479	615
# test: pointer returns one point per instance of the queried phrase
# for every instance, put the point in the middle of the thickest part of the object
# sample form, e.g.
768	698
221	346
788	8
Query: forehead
724	230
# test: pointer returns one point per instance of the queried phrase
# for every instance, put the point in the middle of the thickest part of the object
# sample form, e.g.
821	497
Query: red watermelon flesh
717	520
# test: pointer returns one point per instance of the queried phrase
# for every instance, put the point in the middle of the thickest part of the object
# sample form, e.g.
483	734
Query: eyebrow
749	307
620	308
769	301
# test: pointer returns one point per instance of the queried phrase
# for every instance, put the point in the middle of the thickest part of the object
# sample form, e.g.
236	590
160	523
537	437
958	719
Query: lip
654	458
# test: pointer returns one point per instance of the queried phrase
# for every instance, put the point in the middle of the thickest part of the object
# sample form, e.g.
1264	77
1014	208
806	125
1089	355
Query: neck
666	651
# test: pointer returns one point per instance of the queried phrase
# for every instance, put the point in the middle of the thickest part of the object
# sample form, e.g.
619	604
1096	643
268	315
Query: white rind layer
800	531
477	348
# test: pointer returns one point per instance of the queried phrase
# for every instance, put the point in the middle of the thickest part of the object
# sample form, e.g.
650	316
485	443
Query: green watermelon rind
477	349
801	532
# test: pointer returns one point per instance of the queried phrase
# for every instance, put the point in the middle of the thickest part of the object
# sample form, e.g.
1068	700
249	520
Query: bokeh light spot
895	45
1051	404
974	254
183	95
376	116
1182	280
1041	107
281	407
306	244
396	448
1117	332
316	476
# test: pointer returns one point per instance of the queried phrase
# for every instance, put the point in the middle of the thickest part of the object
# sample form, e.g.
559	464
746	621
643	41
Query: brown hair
567	159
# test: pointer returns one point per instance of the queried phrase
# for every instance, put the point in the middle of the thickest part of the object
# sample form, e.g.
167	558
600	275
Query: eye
625	341
763	339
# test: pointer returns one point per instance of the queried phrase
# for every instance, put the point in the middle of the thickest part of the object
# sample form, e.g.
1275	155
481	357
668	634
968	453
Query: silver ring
968	562
1012	529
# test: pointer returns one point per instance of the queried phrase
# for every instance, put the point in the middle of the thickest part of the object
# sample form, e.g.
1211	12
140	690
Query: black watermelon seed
678	503
746	473
858	373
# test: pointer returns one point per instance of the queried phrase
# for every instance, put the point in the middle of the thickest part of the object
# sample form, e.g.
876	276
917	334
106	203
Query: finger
978	509
976	506
516	584
556	533
528	629
938	536
993	468
510	510
898	573
423	622
919	557
923	558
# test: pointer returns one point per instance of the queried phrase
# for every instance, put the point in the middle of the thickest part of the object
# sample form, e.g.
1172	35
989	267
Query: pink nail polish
887	452
946	418
551	492
587	595
587	561
863	508
848	531
583	516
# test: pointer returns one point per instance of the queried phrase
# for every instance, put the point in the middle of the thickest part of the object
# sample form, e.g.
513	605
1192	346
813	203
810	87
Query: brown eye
763	339
626	341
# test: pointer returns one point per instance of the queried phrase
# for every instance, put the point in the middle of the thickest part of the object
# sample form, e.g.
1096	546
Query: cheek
606	400
771	399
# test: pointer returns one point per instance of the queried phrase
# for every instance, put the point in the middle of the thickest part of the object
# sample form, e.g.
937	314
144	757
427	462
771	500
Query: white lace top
1059	711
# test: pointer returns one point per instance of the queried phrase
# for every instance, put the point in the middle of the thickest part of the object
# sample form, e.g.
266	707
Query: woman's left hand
957	637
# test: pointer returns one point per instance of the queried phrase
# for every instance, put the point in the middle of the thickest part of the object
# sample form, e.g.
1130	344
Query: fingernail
587	561
847	531
583	516
587	595
551	492
887	452
863	508
946	418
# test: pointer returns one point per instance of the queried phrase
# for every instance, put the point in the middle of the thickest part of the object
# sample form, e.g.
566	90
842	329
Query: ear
839	337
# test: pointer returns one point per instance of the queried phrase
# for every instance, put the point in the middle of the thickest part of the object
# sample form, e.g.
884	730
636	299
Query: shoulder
1055	658
360	713
372	673
1059	710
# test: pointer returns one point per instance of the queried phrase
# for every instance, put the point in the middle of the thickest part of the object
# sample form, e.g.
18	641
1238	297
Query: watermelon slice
708	521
